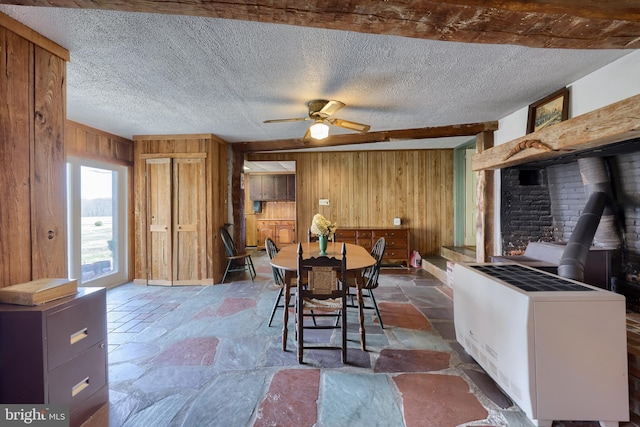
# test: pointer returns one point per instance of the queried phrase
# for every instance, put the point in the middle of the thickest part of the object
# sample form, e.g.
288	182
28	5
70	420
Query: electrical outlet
324	202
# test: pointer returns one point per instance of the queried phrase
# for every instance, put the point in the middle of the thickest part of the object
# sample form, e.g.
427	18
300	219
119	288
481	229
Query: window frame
120	274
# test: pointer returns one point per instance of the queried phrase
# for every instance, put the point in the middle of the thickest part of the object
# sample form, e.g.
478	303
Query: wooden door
159	262
268	187
285	233
291	187
280	187
265	229
189	221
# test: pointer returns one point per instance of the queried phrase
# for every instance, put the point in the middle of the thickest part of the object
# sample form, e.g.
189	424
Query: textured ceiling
137	74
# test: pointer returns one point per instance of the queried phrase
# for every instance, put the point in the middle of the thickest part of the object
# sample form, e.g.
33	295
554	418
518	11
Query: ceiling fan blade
307	135
298	119
330	108
359	127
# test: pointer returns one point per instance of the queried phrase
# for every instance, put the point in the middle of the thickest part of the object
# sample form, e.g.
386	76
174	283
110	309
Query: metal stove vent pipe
596	177
598	211
575	254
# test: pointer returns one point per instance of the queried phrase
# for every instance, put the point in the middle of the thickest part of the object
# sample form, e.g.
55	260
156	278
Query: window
97	222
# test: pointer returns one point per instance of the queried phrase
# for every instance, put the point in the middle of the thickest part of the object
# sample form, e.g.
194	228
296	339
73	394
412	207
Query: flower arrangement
321	226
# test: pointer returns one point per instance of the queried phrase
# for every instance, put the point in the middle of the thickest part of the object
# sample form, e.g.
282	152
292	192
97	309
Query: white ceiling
269	166
137	74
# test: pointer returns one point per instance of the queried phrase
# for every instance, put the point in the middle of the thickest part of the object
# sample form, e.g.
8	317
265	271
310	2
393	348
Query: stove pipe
575	254
598	211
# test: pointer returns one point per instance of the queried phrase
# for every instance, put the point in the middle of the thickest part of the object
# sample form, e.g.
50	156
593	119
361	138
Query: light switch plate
324	202
397	221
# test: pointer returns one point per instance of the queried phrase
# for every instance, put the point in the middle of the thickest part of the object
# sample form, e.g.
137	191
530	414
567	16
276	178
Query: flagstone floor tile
194	356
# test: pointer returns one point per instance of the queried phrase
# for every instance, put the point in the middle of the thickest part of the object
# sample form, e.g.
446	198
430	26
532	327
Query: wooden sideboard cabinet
397	239
281	231
56	353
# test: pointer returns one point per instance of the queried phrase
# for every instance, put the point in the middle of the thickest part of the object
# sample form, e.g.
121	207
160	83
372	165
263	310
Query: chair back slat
229	245
311	237
371	273
234	256
272	251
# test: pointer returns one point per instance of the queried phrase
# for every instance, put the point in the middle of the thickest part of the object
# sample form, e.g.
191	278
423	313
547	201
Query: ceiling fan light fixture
319	130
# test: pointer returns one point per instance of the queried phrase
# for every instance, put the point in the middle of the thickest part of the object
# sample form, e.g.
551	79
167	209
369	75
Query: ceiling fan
320	111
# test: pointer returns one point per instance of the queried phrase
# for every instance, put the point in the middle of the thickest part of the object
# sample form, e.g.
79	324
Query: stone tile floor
205	356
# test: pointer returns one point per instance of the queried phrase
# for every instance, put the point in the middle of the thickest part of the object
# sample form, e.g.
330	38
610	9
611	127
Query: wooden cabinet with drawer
345	235
363	238
56	353
397	243
397	240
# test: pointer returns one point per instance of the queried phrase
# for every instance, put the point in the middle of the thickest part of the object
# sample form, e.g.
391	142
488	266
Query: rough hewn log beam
548	23
365	138
237	200
614	123
484	204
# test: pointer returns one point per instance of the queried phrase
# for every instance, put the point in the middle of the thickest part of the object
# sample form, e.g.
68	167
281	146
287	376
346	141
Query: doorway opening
465	181
270	202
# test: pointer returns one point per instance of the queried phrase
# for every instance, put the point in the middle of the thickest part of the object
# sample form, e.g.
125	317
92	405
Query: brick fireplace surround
543	202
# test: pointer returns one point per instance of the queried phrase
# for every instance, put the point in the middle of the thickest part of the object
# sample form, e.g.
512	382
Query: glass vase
322	242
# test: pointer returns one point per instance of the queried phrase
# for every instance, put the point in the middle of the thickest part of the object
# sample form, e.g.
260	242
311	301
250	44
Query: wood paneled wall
216	191
370	188
89	143
33	238
86	142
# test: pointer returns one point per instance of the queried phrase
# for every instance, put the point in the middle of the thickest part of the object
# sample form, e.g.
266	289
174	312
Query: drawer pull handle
78	336
80	386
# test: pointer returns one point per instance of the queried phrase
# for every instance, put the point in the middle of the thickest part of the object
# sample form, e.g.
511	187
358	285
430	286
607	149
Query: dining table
358	259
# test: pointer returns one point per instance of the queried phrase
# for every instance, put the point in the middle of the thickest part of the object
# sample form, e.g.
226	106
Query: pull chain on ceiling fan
320	111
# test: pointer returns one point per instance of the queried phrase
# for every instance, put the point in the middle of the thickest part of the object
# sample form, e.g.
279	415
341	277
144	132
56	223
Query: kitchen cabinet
56	353
397	240
272	187
285	187
282	232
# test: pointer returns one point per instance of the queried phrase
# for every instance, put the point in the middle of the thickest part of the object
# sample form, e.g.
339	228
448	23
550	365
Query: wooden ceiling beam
471	129
608	125
577	24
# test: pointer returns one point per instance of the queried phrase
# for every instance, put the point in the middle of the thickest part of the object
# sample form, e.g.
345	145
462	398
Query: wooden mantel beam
616	122
574	24
471	129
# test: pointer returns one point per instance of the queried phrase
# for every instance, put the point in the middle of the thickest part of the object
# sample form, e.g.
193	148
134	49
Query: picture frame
548	111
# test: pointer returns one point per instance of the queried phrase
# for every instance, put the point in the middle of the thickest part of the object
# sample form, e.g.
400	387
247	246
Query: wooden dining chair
279	280
367	281
321	294
234	256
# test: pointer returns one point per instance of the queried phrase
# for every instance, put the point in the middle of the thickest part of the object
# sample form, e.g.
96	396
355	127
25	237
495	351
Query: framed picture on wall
549	110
